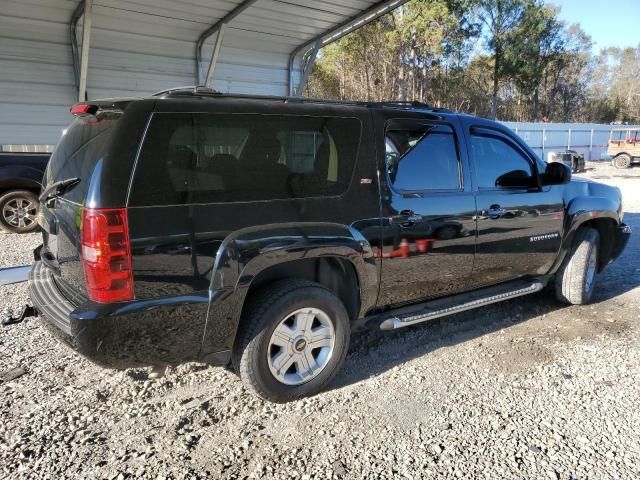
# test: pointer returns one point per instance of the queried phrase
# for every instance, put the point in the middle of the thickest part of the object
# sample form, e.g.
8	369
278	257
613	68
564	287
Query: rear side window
205	158
421	157
77	153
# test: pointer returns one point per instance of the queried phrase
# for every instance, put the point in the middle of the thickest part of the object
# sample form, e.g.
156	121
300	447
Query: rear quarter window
78	152
209	158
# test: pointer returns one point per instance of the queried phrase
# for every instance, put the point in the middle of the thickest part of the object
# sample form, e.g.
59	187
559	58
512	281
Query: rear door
78	152
427	210
519	222
224	166
208	169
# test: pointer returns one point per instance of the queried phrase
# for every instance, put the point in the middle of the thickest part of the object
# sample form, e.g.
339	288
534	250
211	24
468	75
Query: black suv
262	231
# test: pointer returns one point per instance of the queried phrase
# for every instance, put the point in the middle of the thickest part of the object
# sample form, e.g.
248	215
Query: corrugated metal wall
590	139
36	75
142	46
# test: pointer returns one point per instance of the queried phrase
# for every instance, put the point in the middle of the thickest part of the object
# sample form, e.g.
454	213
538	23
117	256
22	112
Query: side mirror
515	179
556	173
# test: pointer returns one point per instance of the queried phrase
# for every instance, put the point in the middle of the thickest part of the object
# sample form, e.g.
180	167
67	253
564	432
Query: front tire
293	340
576	278
622	161
18	210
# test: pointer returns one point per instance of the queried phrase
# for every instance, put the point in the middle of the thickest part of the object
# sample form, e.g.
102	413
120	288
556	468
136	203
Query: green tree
500	20
514	58
539	41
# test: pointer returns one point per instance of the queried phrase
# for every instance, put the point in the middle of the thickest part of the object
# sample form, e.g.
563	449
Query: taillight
83	110
106	254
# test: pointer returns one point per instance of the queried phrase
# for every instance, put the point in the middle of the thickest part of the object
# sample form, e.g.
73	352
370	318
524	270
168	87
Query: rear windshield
204	158
77	153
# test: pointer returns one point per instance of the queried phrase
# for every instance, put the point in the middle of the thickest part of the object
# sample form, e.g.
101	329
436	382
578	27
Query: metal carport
137	47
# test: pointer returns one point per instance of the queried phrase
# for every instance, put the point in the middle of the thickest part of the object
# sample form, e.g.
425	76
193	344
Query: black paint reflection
517	236
427	246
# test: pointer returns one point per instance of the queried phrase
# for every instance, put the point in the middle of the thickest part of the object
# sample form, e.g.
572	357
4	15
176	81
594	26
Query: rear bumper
165	331
48	300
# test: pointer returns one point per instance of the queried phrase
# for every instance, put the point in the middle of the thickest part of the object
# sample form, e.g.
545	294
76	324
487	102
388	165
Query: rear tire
622	161
576	278
18	210
292	341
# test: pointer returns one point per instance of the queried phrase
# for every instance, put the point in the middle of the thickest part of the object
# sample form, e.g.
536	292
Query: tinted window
202	158
78	151
499	164
422	158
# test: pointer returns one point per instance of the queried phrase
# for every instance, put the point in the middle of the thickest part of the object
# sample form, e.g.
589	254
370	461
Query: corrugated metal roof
142	46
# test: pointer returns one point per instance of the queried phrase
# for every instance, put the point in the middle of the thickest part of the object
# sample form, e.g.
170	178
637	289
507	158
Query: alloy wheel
301	346
20	213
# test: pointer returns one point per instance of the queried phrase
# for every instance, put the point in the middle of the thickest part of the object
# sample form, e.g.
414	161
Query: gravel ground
525	389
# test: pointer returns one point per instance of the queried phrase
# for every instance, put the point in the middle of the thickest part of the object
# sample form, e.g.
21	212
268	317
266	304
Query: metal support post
241	7
304	76
84	60
215	54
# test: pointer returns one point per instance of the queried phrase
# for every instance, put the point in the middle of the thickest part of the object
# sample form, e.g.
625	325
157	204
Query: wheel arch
336	256
11	184
606	231
596	212
335	273
20	177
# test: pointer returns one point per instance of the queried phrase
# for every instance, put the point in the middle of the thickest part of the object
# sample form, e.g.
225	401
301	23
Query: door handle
495	212
406	218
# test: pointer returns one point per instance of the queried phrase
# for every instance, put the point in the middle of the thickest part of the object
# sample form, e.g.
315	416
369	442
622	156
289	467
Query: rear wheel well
606	230
12	183
336	274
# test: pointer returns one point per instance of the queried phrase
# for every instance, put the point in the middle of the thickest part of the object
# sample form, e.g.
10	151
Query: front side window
500	164
205	158
421	157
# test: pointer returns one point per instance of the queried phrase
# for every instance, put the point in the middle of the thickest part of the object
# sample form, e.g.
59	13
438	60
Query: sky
610	23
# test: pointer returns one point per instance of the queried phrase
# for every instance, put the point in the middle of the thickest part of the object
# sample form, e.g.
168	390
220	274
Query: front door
519	222
428	212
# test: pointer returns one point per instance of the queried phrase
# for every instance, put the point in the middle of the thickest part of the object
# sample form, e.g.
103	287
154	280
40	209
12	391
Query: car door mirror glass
515	179
556	173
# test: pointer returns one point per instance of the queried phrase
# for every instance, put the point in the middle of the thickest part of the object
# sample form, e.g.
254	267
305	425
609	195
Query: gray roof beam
213	29
310	47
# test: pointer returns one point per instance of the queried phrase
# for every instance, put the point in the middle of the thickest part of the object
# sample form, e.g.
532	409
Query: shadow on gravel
372	353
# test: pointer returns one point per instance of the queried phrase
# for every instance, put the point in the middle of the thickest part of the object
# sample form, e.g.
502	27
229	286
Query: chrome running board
443	307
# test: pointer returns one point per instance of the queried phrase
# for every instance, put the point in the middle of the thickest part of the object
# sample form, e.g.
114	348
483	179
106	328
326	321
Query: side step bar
459	303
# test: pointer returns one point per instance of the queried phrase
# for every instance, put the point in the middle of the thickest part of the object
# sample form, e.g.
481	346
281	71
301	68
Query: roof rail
401	103
206	91
188	90
387	103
